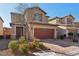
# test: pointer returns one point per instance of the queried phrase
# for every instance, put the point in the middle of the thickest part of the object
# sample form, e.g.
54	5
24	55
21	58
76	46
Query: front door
19	32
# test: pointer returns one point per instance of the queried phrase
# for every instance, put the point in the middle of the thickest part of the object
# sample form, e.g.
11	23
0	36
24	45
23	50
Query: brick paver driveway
3	44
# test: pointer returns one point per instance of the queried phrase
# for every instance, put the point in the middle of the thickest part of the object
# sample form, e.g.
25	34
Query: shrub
13	45
22	40
71	34
61	37
23	48
41	46
77	34
31	46
36	43
74	40
1	37
13	39
64	35
20	45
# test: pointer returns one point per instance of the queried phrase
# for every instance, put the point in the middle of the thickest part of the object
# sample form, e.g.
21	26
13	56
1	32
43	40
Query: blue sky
53	9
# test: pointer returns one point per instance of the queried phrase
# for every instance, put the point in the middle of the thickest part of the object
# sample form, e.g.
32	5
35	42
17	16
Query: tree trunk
30	34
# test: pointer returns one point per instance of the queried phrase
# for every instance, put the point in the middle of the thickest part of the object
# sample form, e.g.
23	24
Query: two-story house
66	24
77	27
38	23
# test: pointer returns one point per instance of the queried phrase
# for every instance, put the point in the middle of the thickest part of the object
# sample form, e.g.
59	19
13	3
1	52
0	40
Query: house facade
1	27
38	23
40	26
66	25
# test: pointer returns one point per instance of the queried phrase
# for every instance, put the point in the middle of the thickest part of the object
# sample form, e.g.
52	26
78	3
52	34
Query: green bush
1	37
22	40
36	43
75	40
23	45
31	46
23	48
20	45
41	45
61	37
70	33
77	34
13	45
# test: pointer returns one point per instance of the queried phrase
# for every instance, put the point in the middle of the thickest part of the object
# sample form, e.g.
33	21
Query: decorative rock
45	54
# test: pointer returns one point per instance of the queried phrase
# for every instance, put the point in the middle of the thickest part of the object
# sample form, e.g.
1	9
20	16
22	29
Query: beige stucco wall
30	15
17	18
43	26
1	27
53	22
14	30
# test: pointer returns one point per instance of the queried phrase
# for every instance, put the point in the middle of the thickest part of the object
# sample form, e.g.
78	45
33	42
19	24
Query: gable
69	16
39	9
34	8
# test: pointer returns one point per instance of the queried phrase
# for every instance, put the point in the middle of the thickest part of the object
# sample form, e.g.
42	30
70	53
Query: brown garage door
44	33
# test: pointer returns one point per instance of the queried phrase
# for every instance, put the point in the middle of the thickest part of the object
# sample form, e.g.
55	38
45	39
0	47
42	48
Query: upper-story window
37	17
62	21
69	21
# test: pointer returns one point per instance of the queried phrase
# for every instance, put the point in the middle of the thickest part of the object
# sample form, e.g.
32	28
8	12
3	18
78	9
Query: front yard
52	48
21	47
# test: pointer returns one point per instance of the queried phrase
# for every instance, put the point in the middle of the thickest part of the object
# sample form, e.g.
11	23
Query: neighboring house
38	21
1	27
54	20
66	24
77	27
67	20
7	32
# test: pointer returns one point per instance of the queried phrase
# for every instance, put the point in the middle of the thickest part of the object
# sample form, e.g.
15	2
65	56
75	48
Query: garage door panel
43	33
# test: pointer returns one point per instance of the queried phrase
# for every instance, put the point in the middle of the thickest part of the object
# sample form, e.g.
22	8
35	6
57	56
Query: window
69	21
37	17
